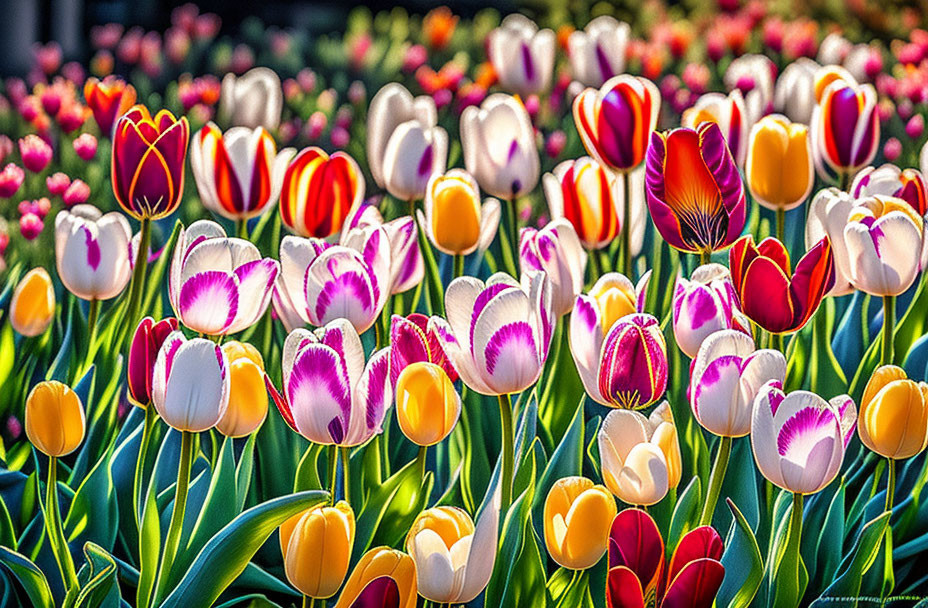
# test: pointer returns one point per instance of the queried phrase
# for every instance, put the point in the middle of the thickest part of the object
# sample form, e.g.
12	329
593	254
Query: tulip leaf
570	588
825	376
29	576
94	513
788	575
227	553
97	579
686	513
154	282
855	564
243	472
829	543
744	565
7	352
58	370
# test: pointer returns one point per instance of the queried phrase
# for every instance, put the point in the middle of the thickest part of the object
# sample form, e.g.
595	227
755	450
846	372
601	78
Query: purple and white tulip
406	266
794	93
555	250
190	383
522	55
753	75
828	215
597	52
703	304
92	252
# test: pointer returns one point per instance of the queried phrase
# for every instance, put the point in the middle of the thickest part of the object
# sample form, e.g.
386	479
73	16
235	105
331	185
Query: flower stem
92	314
890	483
241	228
172	541
626	227
420	459
781	223
138	273
346	480
795	522
333	471
509	238
889	324
55	529
505	417
705	256
150	417
715	481
458	266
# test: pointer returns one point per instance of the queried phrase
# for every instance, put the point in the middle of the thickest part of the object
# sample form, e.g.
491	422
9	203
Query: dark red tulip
147	341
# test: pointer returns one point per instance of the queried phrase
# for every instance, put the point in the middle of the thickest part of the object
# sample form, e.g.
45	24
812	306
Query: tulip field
624	306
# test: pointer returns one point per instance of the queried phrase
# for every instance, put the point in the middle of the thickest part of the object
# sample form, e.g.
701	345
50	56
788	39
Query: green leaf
99	586
788	573
227	554
567	460
29	577
7	352
744	565
307	472
852	569
686	514
243	474
94	513
569	588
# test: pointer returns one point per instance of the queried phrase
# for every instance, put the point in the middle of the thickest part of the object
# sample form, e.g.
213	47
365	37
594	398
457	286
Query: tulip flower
85	146
316	547
583	192
455	221
238	173
640	456
108	100
143	351
254	99
889	180
247	393
828	74
319	192
577	518
392	106
731	116
695	193
704	304
190	383
753	76
427	404
828	215
379	564
35	152
556	251
794	93
893	419
413	341
406	265
454	558
771	294
11	178
637	568
498	142
32	308
92	252
597	52
845	130
55	422
329	395
779	165
219	285
522	55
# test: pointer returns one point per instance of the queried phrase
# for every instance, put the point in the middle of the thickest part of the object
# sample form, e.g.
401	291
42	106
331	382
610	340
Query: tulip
695	194
413	341
379	564
406	265
31	225
319	191
143	351
392	106
454	558
731	116
582	191
637	568
771	294
833	49
828	74
330	396
35	152
85	146
556	251
522	55
92	252
252	100
889	180
108	99
893	420
219	285
238	173
455	221
55	422
704	304
316	547
78	192
11	178
427	405
794	94
845	130
640	456
779	165
758	73
577	517
828	215
247	393
597	52
57	184
32	308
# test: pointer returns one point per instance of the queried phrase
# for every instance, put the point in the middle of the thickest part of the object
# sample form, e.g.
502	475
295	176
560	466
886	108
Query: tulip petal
319	382
636	543
623	589
696	585
209	302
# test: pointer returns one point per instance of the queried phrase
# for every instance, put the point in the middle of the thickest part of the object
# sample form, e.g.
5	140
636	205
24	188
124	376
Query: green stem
435	292
626	227
93	314
137	286
241	228
509	238
705	256
172	541
458	266
505	417
596	270
150	416
333	471
715	481
889	324
890	483
795	522
55	529
346	479
420	459
781	223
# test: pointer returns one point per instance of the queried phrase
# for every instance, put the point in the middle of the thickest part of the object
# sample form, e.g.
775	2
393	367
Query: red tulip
108	100
147	341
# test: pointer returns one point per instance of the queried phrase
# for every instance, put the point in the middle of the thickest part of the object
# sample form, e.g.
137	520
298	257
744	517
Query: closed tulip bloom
330	395
32	308
583	192
238	173
377	564
779	167
143	352
578	515
729	113
522	55
799	439
556	251
319	192
597	52
455	221
190	383
316	547
108	100
92	252
254	99
219	285
391	107
794	93
885	241
413	155
247	392
498	333
889	180
412	341
759	71
774	296
704	304
725	377
427	404
407	268
695	193
616	121
498	141
893	419
828	214
54	418
640	456
845	130
454	558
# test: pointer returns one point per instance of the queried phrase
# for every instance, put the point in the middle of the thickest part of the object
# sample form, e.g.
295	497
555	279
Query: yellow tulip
455	221
376	563
893	418
316	545
54	418
615	296
779	166
33	306
427	405
578	515
247	393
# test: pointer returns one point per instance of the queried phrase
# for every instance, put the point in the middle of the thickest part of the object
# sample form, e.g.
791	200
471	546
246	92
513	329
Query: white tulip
92	252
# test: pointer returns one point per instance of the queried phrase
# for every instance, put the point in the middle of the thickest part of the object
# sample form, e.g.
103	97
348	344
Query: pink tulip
57	183
36	153
86	146
11	178
78	192
30	226
412	341
146	342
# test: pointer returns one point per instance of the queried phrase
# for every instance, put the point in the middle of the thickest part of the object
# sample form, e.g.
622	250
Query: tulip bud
316	547
555	250
146	342
583	191
729	113
54	418
893	419
377	564
247	392
845	129
254	99
33	305
319	192
427	405
779	165
703	304
633	369
597	52
578	516
108	100
92	251
455	222
522	55
35	152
